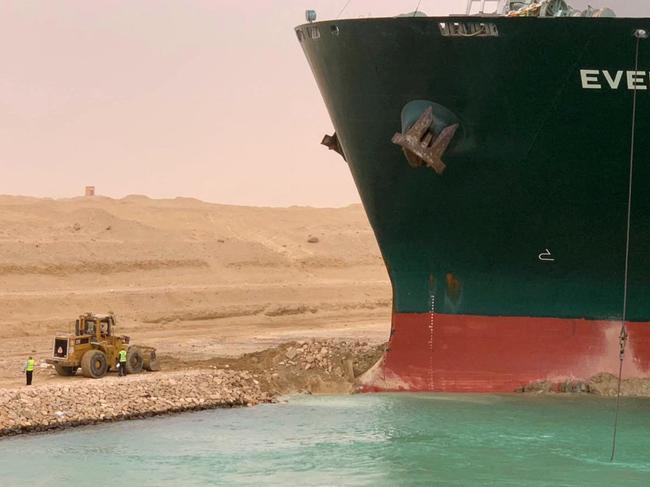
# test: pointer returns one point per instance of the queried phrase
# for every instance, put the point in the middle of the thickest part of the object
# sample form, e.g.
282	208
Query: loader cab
98	326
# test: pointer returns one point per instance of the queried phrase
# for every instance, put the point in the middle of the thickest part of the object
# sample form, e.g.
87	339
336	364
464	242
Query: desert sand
194	279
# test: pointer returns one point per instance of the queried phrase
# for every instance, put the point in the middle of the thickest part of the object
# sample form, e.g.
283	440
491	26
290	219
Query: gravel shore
314	366
56	406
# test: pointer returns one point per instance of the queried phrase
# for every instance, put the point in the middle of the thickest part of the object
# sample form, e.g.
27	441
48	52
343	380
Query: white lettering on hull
635	80
596	79
616	81
590	79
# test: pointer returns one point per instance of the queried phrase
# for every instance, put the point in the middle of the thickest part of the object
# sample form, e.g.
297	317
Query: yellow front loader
94	347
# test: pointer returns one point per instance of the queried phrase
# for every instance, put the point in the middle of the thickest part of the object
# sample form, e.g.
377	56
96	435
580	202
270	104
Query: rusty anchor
332	143
422	146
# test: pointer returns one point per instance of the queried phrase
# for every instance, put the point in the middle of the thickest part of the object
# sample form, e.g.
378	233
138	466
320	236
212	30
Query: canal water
361	440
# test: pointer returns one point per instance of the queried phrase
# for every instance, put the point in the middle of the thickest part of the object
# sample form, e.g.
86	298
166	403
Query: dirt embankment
603	384
324	366
305	366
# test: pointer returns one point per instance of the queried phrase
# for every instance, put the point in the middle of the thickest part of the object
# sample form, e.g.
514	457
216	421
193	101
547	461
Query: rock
348	365
313	240
291	353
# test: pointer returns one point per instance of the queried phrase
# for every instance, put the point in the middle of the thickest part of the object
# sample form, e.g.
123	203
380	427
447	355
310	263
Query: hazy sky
205	98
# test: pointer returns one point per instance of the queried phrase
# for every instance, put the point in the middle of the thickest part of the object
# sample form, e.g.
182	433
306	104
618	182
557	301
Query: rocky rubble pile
315	366
331	356
603	384
569	386
607	384
47	407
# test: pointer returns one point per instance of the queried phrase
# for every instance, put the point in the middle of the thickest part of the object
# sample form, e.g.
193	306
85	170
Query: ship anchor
422	146
332	143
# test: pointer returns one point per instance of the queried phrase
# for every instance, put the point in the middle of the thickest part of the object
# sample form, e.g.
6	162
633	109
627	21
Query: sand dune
37	232
234	277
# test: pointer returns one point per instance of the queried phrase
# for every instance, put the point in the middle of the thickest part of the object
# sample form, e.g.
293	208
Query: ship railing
490	7
468	29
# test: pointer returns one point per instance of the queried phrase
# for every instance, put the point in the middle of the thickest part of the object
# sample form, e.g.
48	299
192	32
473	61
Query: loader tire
134	360
94	364
151	362
153	365
65	371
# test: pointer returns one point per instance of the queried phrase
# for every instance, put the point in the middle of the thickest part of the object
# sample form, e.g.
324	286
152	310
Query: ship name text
595	79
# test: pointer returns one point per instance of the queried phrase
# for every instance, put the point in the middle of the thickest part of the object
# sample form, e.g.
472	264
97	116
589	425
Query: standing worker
29	369
122	363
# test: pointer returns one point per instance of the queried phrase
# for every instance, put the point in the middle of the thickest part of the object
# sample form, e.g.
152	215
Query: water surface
361	440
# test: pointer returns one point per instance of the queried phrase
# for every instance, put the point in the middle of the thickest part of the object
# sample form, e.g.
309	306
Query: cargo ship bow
492	156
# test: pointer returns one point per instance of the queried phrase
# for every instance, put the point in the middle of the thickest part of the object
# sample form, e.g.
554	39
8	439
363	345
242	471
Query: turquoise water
361	440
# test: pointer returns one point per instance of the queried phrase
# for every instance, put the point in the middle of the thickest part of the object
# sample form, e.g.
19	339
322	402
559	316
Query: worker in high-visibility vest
122	357
29	369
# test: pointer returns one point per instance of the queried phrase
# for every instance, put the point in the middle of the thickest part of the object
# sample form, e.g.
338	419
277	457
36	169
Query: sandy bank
297	367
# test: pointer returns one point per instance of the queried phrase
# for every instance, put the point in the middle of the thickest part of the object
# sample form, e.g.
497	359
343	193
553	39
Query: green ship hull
509	266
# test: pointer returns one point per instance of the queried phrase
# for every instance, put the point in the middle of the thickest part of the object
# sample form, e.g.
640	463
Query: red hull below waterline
464	353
